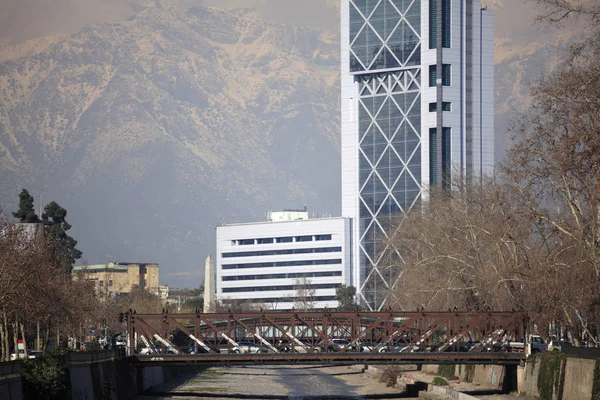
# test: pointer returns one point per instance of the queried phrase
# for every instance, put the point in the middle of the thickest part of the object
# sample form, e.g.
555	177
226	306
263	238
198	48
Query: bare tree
465	250
305	294
557	11
554	169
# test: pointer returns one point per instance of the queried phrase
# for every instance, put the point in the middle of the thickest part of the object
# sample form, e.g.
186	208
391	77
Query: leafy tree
345	295
26	213
54	217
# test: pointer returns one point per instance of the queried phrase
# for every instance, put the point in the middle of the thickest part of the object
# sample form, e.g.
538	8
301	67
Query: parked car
295	347
391	347
250	347
559	345
20	353
157	350
333	345
364	347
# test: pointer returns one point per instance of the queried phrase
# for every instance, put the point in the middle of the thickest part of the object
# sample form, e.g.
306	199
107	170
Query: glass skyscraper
415	111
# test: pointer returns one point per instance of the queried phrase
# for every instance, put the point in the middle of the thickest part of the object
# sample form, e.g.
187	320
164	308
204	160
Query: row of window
302	263
282	252
283	276
446	75
446	165
284	300
281	287
285	239
446	23
446	106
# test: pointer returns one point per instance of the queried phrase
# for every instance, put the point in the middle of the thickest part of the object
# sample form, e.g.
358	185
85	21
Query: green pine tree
54	218
26	213
345	297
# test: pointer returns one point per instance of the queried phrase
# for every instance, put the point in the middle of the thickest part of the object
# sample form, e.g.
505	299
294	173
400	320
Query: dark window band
282	287
282	252
302	263
282	276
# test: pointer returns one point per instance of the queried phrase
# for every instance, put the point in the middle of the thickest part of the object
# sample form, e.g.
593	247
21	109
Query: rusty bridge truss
327	337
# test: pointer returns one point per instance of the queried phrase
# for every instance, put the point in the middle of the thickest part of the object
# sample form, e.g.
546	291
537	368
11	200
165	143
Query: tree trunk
16	338
24	339
37	344
2	349
5	344
46	338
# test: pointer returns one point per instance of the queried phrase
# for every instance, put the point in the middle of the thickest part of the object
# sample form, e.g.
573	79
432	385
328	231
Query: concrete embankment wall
576	380
486	375
11	384
92	375
102	376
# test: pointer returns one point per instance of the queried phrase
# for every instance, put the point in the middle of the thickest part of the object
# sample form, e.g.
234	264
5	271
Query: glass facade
384	34
385	55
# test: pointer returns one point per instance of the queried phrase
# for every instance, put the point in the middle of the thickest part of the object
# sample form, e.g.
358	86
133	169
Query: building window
322	237
446	157
287	239
446	23
265	240
303	238
446	75
246	242
446	106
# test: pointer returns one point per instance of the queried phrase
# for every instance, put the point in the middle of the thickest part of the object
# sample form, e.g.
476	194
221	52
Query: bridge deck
332	358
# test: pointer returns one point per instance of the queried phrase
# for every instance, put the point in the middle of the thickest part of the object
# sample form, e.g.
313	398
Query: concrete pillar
210	295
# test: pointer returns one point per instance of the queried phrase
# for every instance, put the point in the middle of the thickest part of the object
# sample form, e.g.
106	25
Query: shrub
596	385
439	381
389	374
552	375
447	371
469	372
45	379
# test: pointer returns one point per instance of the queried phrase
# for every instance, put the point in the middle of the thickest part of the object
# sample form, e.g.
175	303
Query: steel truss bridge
312	337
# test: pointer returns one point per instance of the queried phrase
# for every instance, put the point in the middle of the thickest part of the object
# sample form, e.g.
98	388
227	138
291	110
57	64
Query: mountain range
154	130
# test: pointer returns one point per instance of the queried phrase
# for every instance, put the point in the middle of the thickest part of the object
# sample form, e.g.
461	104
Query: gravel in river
275	383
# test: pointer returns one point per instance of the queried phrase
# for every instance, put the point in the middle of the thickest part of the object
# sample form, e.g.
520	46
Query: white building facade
417	110
265	262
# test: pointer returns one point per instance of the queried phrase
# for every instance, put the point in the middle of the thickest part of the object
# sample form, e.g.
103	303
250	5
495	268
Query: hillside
154	130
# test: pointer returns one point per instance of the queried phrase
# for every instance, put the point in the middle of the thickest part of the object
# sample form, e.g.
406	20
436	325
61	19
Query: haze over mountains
153	130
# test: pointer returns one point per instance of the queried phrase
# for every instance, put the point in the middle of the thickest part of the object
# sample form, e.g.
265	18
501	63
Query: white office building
266	262
417	108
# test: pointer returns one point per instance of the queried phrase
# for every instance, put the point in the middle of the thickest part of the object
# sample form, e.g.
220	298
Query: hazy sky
25	19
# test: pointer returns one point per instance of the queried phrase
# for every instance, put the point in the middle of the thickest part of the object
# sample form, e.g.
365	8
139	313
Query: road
276	383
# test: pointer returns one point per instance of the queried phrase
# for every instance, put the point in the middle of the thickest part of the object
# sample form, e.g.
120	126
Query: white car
250	348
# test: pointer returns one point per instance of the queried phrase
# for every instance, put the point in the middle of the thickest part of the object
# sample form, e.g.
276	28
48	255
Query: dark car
197	349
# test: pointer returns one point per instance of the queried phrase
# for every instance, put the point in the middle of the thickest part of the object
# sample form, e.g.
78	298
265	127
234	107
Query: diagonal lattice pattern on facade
389	167
384	34
385	44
